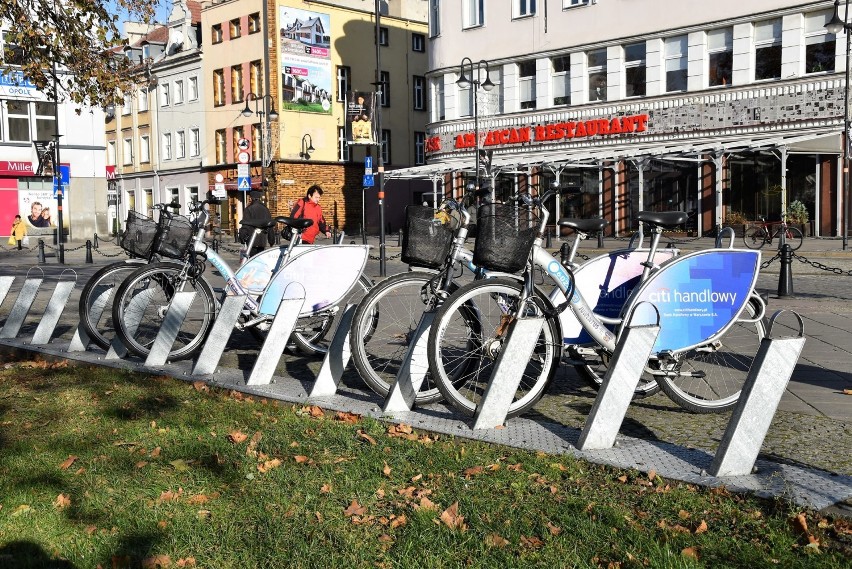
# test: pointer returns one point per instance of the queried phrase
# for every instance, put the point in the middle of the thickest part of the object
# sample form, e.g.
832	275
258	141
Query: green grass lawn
104	468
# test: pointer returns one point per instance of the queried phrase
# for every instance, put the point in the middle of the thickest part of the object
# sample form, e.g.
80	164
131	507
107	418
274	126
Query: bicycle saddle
667	219
584	225
263	225
295	222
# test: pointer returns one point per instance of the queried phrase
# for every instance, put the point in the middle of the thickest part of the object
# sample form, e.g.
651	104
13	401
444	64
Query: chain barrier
818	265
52	248
765	264
391	258
102	254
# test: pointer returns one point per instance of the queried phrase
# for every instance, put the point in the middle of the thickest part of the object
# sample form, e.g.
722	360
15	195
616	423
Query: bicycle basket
426	240
139	233
177	237
504	238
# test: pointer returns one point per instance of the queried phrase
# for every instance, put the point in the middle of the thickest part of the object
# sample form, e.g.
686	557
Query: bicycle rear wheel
792	237
710	378
594	373
141	303
754	237
383	329
466	338
97	297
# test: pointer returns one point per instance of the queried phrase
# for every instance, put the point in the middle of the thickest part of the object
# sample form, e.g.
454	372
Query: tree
77	39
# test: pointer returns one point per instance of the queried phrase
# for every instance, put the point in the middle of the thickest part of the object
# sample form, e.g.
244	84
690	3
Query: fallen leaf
473	471
702	527
416	477
554	530
300	458
237	437
623	478
141	464
180	465
186	562
386	470
800	524
200	386
652	474
347	417
315	411
156	561
683	514
156	452
62	501
269	465
451	517
162	524
169	496
366	437
251	450
198	499
425	504
532	542
91	529
325	489
354	509
67	463
690	552
385	538
22	509
495	540
398	521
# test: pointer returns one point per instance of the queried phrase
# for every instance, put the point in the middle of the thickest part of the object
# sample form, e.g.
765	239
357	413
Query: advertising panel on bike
698	297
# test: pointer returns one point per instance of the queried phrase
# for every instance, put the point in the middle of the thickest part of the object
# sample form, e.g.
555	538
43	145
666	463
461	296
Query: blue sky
164	7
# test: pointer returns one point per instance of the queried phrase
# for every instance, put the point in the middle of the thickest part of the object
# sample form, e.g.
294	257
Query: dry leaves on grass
495	540
156	561
268	465
366	437
67	462
62	501
452	519
237	437
691	552
351	418
354	509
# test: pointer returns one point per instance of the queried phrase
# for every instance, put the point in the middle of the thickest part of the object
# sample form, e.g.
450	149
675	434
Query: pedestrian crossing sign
244	184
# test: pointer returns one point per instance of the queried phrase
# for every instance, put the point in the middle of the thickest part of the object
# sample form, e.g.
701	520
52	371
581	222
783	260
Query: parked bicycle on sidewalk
764	233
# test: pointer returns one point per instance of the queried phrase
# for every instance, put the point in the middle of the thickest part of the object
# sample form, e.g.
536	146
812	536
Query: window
126	106
676	70
384	79
419	92
143	99
194	142
165	93
180	144
386	146
437	94
111	153
145	149
572	3
221	148
193	194
193	88
167	146
418	42
634	70
523	8
237	134
234	28
175	194
218	88
383	36
720	49
819	44
255	141
237	84
127	153
419	148
255	74
18	114
45	120
767	50
465	100
178	92
596	61
473	13
526	82
254	23
342	145
216	33
12	53
434	18
343	74
561	79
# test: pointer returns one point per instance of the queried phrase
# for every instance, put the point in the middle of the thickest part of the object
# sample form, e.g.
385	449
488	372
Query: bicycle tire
793	237
718	370
104	282
463	336
382	330
158	282
754	237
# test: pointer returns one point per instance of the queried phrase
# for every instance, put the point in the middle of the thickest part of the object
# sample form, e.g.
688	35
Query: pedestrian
256	213
19	232
310	208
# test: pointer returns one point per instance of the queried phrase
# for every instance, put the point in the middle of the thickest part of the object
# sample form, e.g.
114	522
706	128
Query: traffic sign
65	176
368	163
243	157
242	170
369	181
244	144
244	184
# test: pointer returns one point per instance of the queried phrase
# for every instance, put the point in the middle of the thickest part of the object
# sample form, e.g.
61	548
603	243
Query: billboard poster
360	127
306	70
38	208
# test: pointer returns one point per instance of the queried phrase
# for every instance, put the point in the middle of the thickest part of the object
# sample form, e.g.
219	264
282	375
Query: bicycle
141	240
385	322
700	367
329	275
757	236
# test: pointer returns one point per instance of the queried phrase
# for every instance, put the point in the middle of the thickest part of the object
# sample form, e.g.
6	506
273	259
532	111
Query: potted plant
738	221
797	215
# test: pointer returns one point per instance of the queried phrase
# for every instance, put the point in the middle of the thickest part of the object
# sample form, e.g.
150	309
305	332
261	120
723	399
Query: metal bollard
564	251
41	258
785	277
363	235
547	239
96	244
399	239
215	245
89	251
600	239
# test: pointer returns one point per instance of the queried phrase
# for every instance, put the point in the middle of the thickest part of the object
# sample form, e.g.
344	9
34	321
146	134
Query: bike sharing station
734	464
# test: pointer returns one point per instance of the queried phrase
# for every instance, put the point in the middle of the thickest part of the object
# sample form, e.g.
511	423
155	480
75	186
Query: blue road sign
368	163
369	181
65	176
244	183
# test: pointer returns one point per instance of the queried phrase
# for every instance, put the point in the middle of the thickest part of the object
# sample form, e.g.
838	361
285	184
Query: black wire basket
140	232
504	237
177	237
426	239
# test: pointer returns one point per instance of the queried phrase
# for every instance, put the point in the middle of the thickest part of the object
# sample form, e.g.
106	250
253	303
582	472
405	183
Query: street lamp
834	26
272	115
307	147
487	85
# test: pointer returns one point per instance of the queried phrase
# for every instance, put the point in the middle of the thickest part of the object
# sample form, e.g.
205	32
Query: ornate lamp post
307	147
475	83
834	26
271	115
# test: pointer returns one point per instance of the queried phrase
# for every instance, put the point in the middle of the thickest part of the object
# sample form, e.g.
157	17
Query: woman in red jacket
309	207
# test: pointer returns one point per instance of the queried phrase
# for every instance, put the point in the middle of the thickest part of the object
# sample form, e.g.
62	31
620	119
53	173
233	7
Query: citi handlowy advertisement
698	296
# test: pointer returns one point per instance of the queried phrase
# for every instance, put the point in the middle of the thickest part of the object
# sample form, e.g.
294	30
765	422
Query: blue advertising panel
698	296
65	176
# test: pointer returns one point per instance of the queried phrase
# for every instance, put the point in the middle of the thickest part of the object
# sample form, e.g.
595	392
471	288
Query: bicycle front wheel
710	378
96	299
466	338
383	329
792	237
143	299
754	237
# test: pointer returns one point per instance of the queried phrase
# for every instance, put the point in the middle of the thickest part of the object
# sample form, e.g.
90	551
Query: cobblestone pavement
812	428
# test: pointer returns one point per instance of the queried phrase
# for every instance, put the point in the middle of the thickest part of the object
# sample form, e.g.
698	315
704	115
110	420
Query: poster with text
38	209
359	117
306	70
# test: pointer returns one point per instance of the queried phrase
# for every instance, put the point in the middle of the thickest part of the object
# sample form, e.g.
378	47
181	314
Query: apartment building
721	108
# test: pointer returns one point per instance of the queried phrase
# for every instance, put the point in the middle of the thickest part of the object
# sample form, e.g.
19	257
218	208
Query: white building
720	107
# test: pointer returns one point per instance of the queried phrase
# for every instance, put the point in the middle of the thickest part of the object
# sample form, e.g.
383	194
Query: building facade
724	109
